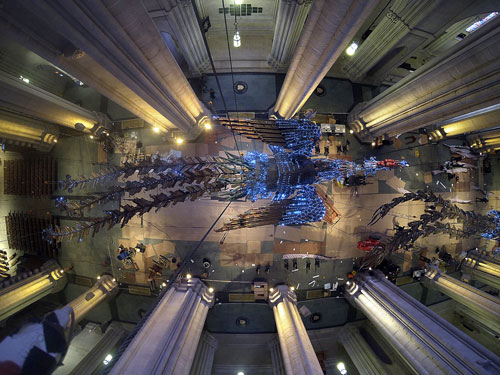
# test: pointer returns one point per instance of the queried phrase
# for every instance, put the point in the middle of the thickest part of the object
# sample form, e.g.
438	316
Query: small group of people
343	148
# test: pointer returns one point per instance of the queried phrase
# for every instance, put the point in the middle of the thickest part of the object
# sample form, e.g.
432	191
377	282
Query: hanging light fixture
236	37
352	49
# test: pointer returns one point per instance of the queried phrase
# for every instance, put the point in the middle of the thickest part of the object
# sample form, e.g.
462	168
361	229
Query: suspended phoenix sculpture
288	176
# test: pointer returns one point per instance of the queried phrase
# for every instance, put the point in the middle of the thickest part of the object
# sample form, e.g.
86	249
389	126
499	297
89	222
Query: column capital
198	287
432	273
281	293
108	285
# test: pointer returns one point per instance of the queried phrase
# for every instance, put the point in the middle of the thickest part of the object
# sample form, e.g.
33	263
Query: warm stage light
188	276
211	290
156	129
373	144
208	125
179	141
351	131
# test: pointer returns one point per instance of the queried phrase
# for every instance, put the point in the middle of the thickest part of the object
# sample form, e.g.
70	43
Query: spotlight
163	284
271	290
292	288
179	141
55	140
114	280
91	137
156	129
208	125
211	290
188	276
373	144
99	277
351	131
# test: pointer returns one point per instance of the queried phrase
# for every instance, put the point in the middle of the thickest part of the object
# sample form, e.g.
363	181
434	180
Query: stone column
20	97
105	287
290	20
92	362
330	27
482	267
464	79
399	21
167	342
204	357
298	354
26	136
486	307
360	352
485	140
122	44
277	360
178	17
25	289
427	343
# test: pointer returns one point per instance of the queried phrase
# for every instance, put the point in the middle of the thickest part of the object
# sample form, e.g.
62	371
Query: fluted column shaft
464	79
277	360
402	16
204	357
289	23
426	342
483	268
105	287
20	97
122	38
298	353
360	353
329	28
486	307
182	21
167	342
92	362
18	295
